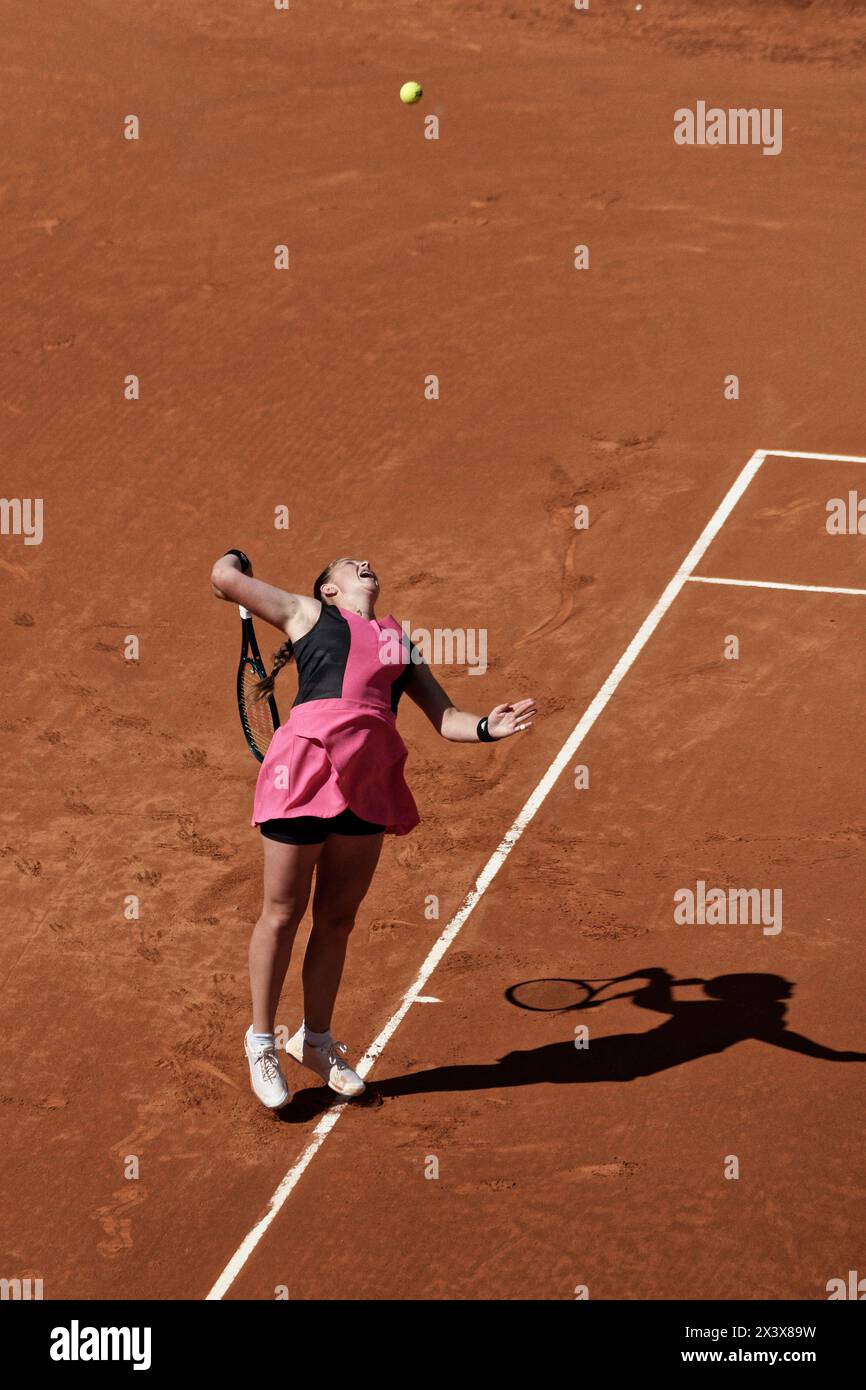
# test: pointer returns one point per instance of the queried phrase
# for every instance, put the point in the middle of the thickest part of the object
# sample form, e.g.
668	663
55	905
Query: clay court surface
557	1167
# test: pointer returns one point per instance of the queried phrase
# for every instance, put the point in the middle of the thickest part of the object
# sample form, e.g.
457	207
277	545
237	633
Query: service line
771	584
825	458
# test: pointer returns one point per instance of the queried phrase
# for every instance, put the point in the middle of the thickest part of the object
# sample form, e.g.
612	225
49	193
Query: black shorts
314	830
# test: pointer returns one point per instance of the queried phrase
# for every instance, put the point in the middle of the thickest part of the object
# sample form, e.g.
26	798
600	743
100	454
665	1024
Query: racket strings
255	714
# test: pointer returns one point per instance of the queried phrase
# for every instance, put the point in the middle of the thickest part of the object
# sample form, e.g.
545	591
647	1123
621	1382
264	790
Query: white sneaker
327	1062
266	1074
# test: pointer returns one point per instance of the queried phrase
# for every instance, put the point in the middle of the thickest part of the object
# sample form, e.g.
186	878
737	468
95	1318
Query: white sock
316	1039
263	1039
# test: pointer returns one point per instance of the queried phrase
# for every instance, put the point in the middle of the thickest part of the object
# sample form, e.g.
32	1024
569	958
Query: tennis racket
259	718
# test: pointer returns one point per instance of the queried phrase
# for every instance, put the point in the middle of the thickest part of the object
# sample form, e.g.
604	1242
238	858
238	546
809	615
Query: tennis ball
411	92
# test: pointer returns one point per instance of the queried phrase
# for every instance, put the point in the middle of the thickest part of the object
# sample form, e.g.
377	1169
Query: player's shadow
310	1102
737	1007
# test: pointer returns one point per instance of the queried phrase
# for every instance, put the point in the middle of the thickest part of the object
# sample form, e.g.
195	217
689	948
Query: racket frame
252	657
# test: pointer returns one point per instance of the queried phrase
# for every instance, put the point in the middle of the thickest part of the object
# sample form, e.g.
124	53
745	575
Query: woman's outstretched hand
511	719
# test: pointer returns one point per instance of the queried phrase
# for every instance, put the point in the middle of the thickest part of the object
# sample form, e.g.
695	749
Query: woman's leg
346	868
287	879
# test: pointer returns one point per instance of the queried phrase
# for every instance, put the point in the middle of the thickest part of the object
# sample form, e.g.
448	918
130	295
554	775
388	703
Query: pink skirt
333	755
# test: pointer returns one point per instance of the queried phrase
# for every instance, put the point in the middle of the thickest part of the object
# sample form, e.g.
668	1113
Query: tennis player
330	788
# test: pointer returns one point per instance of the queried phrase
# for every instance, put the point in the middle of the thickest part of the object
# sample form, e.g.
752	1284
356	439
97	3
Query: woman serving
330	788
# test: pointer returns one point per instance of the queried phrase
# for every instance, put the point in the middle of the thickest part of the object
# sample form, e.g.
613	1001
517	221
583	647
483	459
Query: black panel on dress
399	687
322	655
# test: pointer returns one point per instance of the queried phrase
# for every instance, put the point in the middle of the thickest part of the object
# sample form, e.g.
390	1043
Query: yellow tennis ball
411	92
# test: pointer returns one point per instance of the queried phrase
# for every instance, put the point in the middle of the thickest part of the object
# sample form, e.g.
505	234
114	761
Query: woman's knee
282	918
338	921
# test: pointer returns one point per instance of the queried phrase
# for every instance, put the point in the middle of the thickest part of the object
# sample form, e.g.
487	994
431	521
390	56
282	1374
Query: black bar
250	1338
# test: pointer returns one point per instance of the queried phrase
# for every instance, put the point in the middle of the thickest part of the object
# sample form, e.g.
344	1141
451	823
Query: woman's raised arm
293	614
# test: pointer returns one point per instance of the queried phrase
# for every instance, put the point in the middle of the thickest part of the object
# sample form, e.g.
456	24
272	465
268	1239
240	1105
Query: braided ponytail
284	654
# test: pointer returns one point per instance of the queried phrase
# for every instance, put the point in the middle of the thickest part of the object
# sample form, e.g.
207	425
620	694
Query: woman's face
351	579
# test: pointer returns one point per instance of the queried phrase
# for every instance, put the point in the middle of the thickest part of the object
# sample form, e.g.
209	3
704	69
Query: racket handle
244	612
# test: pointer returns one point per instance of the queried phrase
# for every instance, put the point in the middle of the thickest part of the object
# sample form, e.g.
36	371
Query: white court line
828	458
768	584
495	862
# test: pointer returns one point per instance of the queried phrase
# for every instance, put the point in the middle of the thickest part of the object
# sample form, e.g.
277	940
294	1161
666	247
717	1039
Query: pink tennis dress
339	749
